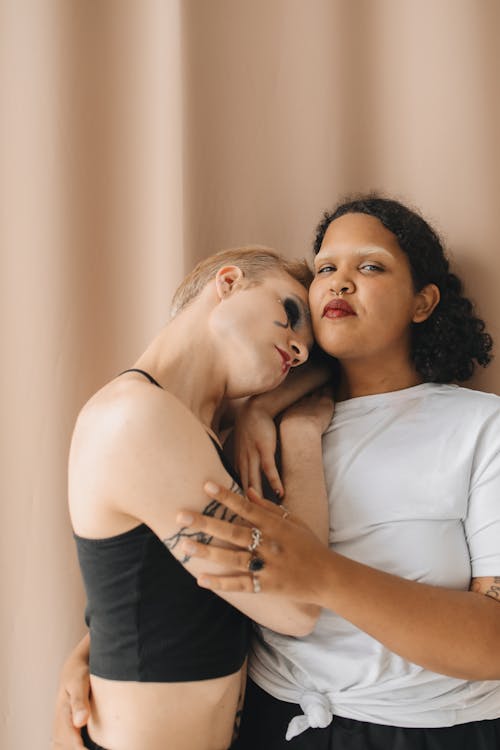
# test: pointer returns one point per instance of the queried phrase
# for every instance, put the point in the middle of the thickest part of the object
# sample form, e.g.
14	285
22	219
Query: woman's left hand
291	558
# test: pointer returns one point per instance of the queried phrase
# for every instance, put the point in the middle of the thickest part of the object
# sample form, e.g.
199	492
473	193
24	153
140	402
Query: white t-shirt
413	480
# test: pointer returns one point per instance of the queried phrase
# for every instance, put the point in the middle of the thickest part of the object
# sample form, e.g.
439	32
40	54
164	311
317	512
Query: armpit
487	585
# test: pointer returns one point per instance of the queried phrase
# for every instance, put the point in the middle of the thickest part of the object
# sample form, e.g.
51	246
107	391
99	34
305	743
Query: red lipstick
337	308
285	359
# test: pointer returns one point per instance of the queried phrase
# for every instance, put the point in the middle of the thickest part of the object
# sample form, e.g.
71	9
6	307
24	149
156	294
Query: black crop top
149	621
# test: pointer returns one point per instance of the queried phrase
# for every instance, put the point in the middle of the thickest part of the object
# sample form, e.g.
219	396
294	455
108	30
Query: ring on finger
286	512
256	584
256	539
256	563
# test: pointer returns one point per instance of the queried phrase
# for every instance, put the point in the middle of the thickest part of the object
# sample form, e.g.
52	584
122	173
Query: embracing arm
448	631
157	457
301	431
444	630
72	708
254	428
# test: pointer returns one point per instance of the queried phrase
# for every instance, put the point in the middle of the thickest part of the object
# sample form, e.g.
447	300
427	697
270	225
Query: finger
65	735
236	560
271	471
79	702
240	536
257	498
242	584
239	504
243	470
254	477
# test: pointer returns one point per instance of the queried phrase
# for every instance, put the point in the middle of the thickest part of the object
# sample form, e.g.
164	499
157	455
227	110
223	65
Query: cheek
316	294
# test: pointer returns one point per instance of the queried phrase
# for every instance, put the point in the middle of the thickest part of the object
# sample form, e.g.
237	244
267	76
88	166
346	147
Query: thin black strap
146	375
226	463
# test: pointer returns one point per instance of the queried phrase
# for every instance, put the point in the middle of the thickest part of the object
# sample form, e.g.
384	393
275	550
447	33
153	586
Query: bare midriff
154	715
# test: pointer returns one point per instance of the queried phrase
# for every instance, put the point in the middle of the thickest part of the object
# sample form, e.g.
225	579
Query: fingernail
202	581
80	717
185	518
211	487
278	494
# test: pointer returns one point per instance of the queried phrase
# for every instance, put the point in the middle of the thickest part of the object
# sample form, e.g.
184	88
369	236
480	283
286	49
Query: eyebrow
361	252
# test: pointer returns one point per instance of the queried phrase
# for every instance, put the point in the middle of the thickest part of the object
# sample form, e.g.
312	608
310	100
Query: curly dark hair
447	346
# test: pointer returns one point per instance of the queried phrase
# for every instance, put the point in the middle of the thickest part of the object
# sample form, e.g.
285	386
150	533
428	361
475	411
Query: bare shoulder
140	452
135	416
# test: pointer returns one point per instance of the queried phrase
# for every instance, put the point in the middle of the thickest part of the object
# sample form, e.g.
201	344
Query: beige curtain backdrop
137	137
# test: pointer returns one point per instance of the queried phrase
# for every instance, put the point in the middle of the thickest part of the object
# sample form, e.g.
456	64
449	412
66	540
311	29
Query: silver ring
256	563
256	584
256	540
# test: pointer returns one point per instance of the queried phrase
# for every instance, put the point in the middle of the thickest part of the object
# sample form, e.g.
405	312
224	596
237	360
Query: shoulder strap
146	375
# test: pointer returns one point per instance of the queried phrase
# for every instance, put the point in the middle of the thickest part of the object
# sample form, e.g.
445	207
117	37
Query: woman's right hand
72	708
255	438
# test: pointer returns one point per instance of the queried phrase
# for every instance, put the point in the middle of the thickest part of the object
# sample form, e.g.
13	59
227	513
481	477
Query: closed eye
292	312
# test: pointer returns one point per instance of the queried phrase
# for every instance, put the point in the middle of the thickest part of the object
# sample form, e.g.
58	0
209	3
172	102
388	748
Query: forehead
288	285
359	233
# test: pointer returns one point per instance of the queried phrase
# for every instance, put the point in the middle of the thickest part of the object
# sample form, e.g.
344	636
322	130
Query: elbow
305	620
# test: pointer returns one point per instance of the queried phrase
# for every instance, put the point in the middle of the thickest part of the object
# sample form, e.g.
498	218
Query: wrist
261	404
300	426
324	578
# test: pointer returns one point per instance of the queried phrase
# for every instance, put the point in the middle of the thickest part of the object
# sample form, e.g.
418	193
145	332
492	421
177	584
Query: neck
367	378
182	360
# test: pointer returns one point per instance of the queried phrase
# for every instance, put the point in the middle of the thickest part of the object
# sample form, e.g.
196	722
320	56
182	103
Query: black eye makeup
293	314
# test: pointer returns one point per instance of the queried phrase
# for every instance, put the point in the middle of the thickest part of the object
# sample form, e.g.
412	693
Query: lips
337	308
285	359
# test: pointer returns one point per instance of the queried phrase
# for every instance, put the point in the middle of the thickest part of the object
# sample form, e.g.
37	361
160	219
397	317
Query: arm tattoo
494	589
213	509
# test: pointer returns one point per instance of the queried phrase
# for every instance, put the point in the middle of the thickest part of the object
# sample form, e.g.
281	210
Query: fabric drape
138	137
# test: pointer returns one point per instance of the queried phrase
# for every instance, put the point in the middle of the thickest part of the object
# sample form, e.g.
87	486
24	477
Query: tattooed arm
150	459
214	509
488	586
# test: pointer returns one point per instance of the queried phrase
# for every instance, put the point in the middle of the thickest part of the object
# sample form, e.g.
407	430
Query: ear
426	301
227	279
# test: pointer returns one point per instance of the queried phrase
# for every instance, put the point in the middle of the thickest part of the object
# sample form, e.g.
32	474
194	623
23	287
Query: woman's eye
292	312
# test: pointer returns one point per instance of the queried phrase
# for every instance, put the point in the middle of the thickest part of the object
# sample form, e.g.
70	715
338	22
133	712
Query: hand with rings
274	552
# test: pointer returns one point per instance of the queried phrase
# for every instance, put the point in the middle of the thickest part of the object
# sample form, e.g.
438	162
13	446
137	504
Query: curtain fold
138	137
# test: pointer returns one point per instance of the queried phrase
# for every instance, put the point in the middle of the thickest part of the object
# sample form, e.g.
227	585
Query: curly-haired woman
405	654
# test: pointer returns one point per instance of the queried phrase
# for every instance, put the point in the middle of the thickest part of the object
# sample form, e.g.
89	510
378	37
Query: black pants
88	742
265	720
91	745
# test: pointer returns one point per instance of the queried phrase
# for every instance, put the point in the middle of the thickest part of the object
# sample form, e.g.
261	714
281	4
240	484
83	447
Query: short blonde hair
254	261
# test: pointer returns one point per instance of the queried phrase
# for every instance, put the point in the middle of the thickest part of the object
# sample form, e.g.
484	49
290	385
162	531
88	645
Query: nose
300	352
339	288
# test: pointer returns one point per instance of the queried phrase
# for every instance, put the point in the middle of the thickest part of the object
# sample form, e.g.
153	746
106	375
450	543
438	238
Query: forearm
81	652
305	491
316	372
452	632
